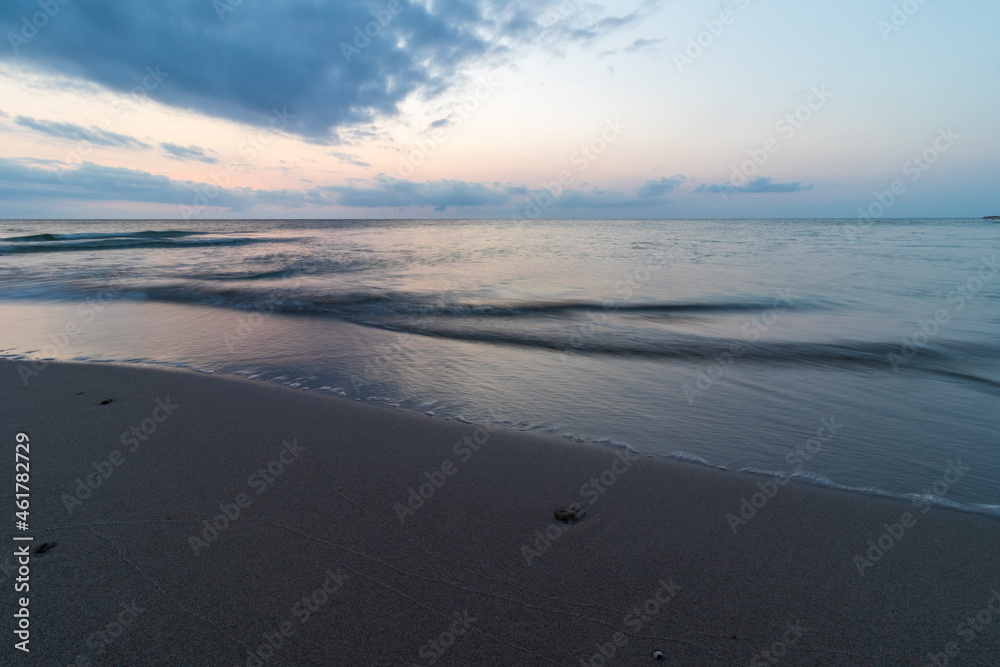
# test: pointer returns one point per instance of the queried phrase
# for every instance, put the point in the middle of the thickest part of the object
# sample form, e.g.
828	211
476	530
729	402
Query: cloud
244	60
386	193
610	24
656	188
756	186
188	153
88	182
74	132
40	180
583	200
635	47
407	193
21	181
349	159
643	45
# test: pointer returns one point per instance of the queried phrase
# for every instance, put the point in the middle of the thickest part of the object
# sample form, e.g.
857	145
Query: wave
917	499
48	238
47	242
681	347
236	276
687	457
373	305
557	326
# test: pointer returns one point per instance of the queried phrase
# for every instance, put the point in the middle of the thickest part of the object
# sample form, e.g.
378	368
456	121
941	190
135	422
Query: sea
857	355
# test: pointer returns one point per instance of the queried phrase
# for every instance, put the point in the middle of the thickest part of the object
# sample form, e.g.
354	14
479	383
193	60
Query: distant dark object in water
45	546
994	218
106	401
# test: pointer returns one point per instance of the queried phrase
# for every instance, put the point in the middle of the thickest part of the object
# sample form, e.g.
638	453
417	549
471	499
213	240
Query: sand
329	554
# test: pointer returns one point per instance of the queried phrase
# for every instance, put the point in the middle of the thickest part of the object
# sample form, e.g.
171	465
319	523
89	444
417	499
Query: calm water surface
730	342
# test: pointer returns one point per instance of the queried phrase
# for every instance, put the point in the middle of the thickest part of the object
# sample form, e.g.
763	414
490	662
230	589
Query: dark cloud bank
331	64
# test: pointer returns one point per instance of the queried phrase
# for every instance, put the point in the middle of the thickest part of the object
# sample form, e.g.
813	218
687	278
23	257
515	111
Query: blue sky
466	108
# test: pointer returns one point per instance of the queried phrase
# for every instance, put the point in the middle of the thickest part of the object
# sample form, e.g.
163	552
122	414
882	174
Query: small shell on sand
565	515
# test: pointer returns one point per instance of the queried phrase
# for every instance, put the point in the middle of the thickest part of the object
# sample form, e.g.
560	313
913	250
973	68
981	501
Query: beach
206	520
499	333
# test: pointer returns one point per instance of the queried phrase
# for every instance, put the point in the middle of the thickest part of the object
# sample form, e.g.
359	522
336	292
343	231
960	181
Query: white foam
687	457
618	444
918	499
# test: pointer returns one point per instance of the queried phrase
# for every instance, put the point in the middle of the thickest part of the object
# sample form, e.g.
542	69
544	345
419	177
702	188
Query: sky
198	109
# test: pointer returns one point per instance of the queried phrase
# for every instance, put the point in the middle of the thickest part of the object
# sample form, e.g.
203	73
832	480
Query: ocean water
866	358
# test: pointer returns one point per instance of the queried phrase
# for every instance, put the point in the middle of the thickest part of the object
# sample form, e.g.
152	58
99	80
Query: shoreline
219	504
798	476
896	440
